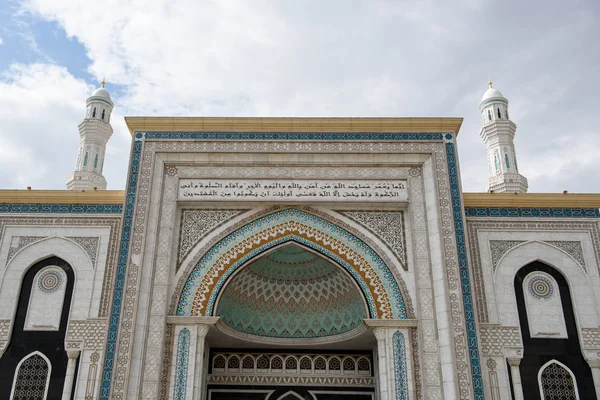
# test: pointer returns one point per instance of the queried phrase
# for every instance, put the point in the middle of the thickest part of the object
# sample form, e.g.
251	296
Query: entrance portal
293	297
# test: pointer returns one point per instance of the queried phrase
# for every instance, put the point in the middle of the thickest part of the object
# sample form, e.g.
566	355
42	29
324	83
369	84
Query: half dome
292	293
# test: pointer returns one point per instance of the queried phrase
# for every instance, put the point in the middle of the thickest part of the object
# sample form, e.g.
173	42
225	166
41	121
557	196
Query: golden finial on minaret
105	82
490	82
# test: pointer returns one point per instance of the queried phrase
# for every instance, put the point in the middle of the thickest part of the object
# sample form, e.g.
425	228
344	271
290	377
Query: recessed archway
291	292
374	278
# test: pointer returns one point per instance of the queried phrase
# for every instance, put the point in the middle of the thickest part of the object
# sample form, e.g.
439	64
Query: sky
344	58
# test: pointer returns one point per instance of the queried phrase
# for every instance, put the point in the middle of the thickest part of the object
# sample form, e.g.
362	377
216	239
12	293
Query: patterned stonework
166	367
387	226
499	248
90	387
4	326
114	223
476	224
591	338
196	224
444	164
89	244
572	248
20	242
338	381
90	333
494	338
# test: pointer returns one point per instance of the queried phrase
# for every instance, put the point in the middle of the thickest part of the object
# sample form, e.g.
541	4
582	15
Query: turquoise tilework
401	380
181	364
288	215
10	208
536	212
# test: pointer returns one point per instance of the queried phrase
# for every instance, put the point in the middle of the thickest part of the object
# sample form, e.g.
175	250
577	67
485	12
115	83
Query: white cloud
41	105
370	58
1	41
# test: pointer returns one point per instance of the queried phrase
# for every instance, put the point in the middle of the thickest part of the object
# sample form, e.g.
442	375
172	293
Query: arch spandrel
376	281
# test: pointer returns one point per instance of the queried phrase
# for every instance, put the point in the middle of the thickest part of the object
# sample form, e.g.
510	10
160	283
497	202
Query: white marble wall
89	267
503	252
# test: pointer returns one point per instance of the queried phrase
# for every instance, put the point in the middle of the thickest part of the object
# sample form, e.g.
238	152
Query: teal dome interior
292	293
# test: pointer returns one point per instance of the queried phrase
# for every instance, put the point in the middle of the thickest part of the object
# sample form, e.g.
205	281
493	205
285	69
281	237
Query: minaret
94	130
498	133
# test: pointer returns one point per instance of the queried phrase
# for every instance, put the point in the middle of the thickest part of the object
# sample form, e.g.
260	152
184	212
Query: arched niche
374	278
539	349
64	249
584	301
49	342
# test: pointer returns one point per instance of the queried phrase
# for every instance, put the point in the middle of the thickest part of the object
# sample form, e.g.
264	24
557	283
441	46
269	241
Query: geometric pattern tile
388	226
400	366
89	244
19	242
291	293
181	364
196	224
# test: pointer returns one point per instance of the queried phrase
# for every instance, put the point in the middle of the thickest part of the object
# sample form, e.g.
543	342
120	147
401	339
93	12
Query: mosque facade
298	258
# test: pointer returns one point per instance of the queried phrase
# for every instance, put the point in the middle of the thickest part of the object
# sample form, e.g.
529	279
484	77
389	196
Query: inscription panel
293	190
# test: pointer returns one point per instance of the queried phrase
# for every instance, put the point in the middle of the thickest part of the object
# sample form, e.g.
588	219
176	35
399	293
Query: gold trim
261	124
556	200
470	199
62	196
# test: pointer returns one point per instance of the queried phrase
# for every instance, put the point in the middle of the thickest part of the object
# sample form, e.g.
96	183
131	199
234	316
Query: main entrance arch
374	278
291	290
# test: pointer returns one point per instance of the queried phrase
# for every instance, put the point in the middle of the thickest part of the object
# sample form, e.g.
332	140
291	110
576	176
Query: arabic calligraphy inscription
292	190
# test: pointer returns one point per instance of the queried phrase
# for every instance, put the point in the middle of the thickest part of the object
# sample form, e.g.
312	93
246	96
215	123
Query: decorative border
456	205
181	364
535	212
461	248
400	366
14	208
296	137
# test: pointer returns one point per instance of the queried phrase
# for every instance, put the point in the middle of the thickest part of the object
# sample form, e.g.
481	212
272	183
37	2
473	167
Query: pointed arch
65	249
32	377
513	261
290	395
376	281
557	382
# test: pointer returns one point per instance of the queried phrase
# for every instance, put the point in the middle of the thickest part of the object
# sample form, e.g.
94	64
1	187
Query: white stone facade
444	282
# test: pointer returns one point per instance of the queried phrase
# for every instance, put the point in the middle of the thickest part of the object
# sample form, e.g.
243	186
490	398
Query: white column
202	331
382	363
595	366
70	376
515	373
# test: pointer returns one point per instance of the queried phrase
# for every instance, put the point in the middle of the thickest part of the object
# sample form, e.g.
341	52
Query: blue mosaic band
10	208
461	248
525	212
